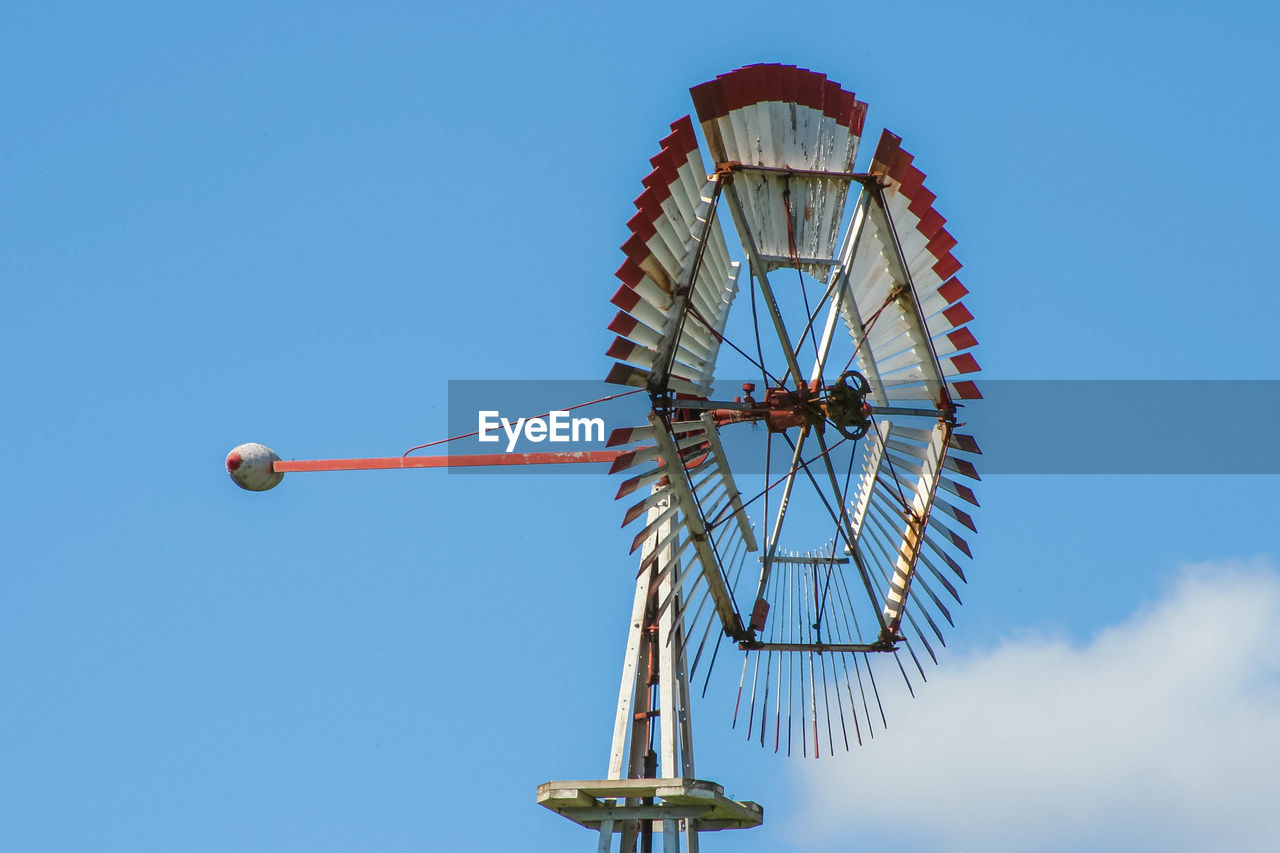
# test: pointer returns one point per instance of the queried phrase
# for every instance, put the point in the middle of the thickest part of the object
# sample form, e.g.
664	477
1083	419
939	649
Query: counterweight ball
250	465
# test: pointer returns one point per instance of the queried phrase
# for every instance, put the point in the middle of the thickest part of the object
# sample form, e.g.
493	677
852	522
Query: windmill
853	332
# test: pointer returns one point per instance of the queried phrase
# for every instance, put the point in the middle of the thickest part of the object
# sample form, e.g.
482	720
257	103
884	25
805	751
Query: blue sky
296	224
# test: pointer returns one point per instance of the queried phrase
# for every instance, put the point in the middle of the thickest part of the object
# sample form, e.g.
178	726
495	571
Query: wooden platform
589	802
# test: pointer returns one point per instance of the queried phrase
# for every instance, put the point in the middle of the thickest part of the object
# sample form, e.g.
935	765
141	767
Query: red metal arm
289	466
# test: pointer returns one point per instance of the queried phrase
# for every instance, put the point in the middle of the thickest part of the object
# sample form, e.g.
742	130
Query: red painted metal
781	410
759	614
953	290
480	460
965	363
784	83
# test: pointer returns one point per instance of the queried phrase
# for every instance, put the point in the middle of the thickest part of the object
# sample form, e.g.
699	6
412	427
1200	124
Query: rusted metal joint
724	171
842	404
887	641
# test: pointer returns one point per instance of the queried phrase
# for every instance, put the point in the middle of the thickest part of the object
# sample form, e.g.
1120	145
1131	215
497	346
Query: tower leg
651	794
652	727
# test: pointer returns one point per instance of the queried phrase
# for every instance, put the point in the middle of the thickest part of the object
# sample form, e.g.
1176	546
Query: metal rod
909	412
839	285
717	583
814	647
860	177
788	260
757	408
293	466
757	269
918	328
851	539
682	295
735	497
772	546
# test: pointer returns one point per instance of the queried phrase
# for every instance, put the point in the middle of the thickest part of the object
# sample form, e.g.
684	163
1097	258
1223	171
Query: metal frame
906	295
717	584
651	785
681	295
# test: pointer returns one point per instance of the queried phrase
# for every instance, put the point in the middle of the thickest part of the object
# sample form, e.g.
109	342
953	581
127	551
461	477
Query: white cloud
1162	733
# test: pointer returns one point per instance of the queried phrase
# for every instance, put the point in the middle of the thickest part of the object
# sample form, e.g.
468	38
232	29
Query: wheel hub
843	404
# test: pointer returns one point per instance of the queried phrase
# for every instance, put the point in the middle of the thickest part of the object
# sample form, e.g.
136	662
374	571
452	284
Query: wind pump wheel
857	344
856	339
